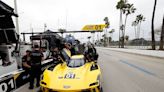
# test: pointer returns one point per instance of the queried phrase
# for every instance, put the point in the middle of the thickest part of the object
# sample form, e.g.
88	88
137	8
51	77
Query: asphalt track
125	72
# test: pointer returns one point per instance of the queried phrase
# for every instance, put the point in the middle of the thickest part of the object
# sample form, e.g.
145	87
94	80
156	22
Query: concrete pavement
124	72
152	53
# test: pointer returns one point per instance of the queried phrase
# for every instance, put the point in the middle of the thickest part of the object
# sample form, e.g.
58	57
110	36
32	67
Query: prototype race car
77	75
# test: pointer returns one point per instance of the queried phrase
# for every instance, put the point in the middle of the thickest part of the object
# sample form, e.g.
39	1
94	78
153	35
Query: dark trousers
35	72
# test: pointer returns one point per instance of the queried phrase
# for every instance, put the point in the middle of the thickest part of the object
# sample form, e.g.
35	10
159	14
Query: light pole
16	18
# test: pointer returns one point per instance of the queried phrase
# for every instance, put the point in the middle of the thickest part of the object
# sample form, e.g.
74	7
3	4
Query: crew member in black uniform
35	71
91	53
56	56
26	65
95	54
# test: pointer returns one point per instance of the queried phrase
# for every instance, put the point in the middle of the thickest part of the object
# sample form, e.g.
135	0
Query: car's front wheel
101	89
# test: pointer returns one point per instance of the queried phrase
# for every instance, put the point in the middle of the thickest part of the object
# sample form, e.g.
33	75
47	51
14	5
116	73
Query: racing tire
40	90
101	89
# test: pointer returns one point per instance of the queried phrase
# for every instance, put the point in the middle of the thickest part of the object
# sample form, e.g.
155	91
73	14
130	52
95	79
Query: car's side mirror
94	67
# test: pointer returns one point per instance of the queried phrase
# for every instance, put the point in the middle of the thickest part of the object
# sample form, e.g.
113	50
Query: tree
127	38
157	33
139	19
152	26
162	36
120	5
104	39
111	35
137	24
125	9
106	20
111	32
134	24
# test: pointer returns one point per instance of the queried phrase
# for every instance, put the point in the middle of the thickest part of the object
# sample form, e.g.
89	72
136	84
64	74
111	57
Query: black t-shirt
26	59
55	55
36	57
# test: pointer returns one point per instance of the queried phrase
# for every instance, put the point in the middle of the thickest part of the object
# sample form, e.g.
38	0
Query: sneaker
37	85
31	87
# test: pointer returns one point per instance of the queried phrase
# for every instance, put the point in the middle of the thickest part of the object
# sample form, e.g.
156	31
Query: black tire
40	90
101	89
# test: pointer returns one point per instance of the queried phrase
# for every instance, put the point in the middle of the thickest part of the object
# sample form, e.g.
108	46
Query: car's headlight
93	84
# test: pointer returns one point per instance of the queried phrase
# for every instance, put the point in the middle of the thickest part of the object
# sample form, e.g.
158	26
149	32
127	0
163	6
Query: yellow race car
77	75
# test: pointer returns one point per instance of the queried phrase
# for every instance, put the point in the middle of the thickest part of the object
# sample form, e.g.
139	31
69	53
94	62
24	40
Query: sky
74	14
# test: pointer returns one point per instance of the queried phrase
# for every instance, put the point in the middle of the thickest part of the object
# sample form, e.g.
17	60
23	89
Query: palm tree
127	38
110	40
120	5
139	19
129	9
152	26
106	20
111	33
137	24
104	39
126	9
162	36
134	24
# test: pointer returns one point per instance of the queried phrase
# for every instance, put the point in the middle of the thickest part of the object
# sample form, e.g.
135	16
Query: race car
76	75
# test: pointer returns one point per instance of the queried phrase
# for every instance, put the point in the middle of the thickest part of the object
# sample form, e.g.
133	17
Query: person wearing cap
26	61
56	56
65	52
35	71
91	53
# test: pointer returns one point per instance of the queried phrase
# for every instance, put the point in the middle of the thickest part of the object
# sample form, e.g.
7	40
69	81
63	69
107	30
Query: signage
98	27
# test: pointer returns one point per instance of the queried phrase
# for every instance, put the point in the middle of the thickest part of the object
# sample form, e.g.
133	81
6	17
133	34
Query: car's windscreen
76	63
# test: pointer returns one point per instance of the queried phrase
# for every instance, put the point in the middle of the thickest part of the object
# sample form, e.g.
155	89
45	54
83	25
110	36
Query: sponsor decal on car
66	86
70	76
7	85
